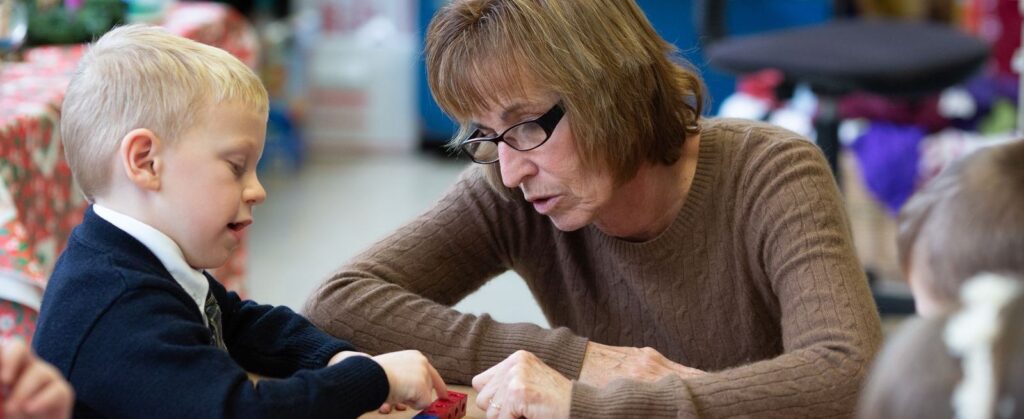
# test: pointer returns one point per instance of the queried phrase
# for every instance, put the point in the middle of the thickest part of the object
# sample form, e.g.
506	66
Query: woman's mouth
544	205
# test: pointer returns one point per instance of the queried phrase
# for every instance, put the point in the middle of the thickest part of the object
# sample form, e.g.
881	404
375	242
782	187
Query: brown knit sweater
756	281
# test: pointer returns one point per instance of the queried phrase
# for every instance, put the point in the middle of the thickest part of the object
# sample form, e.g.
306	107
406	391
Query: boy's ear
141	156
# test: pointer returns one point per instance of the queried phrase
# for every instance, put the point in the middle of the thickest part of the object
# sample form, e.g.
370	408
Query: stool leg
826	123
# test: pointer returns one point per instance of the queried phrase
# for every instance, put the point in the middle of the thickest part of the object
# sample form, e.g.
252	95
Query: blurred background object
13	26
898	135
360	75
71	22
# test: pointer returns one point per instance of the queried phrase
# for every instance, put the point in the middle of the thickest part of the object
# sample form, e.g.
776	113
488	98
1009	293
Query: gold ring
496	406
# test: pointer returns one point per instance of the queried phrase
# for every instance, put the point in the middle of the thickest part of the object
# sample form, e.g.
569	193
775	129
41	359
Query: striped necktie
212	310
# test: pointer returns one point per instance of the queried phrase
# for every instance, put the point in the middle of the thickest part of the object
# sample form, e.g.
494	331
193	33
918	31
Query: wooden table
472	412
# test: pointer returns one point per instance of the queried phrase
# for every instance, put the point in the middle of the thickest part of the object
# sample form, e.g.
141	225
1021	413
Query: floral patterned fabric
17	321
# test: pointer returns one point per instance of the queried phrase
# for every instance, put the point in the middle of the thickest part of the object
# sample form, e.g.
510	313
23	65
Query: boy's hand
341	356
411	378
386	408
32	388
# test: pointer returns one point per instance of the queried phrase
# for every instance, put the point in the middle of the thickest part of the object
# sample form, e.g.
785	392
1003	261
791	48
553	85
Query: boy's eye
238	169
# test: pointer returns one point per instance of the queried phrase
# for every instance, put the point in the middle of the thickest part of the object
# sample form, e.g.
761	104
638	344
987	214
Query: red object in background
1008	41
451	407
762	85
998	22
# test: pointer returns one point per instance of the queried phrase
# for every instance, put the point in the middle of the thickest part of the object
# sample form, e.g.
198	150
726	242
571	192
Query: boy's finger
439	387
30	382
14	357
53	401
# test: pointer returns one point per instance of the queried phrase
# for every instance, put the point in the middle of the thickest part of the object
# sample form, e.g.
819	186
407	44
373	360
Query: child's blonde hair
141	76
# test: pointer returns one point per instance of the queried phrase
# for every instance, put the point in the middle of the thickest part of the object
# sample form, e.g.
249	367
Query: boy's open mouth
239	226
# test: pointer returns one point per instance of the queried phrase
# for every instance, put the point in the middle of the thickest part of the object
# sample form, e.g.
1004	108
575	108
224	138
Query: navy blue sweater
133	344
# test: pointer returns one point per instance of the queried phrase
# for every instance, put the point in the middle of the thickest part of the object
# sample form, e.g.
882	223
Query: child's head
966	221
971	361
169	131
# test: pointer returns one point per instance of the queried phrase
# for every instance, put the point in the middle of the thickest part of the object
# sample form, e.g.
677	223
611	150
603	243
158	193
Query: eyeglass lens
521	137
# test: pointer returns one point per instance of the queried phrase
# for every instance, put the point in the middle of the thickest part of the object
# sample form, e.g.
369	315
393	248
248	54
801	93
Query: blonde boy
163	135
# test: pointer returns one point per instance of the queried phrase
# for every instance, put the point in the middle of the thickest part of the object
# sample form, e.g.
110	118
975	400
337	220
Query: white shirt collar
166	250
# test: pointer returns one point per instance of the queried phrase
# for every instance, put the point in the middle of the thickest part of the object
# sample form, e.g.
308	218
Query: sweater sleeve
397	294
797	237
163	365
272	341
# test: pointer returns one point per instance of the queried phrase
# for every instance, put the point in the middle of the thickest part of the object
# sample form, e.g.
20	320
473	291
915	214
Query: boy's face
924	303
209	185
920	278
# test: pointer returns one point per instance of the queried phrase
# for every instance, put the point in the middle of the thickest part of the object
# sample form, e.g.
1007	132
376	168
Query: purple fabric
986	90
888	155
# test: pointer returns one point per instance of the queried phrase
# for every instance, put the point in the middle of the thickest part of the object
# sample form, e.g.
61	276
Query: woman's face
551	176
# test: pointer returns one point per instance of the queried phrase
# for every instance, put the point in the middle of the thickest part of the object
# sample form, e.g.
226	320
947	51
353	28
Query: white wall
316	219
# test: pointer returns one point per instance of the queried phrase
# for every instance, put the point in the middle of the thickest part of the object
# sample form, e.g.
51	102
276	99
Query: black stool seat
881	56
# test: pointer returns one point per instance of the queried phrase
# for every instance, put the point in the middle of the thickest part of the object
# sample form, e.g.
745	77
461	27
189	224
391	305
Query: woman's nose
515	165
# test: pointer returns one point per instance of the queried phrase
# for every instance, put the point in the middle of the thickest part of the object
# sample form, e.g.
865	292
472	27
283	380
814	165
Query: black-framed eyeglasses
524	136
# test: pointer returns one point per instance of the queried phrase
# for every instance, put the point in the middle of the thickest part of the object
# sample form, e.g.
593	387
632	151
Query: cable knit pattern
756	281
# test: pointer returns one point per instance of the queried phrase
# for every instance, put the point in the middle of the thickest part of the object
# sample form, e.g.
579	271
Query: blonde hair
967	221
141	76
630	97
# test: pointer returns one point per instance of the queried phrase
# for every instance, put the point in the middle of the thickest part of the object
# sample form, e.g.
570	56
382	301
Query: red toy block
451	407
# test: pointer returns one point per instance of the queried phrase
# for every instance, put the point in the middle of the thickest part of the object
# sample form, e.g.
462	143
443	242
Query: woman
690	267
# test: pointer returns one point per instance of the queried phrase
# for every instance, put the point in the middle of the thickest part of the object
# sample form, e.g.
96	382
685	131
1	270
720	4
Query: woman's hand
603	364
411	378
32	388
523	386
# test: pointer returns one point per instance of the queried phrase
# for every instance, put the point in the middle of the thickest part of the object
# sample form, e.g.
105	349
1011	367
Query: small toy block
451	407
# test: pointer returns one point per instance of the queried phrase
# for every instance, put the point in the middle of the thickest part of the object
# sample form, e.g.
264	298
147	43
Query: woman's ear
141	158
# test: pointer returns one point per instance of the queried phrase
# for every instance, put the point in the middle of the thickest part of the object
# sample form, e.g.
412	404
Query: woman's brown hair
631	99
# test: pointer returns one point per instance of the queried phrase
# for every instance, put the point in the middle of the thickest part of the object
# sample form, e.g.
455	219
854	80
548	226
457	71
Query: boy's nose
255	194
